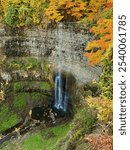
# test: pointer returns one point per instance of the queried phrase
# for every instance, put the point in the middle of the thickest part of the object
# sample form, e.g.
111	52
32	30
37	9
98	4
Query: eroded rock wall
45	44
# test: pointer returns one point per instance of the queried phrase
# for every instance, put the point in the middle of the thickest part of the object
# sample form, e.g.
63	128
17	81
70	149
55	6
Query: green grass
58	133
46	139
7	119
34	142
41	140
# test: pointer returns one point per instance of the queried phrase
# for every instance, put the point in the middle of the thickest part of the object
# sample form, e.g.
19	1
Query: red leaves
99	141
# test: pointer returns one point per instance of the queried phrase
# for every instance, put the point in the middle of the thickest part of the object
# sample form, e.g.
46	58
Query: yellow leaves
104	107
3	5
36	4
82	6
53	14
94	9
2	92
26	11
77	15
60	10
52	11
35	18
2	95
78	9
61	2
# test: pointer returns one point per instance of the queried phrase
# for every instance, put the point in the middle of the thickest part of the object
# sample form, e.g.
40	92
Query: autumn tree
99	52
23	12
66	10
100	12
104	104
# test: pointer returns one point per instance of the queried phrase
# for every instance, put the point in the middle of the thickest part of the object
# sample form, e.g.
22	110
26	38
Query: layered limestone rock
45	44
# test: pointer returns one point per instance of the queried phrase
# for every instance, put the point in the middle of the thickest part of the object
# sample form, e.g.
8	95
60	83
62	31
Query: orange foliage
102	30
61	10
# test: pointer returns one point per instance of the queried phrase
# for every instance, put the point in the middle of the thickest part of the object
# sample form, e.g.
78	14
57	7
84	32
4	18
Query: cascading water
60	91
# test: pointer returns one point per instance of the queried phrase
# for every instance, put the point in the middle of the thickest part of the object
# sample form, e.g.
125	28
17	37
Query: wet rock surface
44	43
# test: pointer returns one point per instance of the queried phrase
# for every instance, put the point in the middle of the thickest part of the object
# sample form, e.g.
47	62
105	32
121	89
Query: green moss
20	100
36	96
15	63
21	86
32	63
45	65
7	146
45	86
9	121
27	63
4	111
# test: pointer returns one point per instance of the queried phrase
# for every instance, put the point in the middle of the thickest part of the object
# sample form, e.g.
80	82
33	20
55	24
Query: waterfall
60	91
61	94
65	102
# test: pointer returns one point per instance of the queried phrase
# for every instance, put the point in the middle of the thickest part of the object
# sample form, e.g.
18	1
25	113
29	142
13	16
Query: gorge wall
43	44
30	59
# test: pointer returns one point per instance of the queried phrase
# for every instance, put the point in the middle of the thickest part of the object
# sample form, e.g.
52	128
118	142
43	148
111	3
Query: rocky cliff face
45	44
29	59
